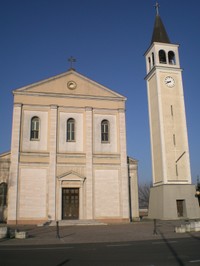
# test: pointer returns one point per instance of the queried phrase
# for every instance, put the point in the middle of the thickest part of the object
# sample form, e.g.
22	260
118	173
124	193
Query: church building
68	157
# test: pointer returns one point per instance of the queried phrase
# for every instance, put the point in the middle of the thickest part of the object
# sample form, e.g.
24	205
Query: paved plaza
75	233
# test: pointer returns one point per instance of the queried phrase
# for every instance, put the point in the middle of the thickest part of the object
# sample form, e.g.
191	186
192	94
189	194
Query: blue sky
108	38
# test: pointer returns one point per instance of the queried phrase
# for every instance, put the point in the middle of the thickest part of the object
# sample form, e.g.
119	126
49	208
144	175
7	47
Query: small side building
4	176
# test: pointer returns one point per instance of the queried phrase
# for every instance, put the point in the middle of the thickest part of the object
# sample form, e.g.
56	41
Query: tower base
172	202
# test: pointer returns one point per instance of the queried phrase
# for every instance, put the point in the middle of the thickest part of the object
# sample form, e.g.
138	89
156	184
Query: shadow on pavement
63	263
172	250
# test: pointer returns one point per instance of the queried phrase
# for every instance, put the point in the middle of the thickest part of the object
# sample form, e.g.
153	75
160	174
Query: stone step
73	223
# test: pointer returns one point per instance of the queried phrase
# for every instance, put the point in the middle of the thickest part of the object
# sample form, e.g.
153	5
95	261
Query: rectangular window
176	170
172	112
70	129
174	139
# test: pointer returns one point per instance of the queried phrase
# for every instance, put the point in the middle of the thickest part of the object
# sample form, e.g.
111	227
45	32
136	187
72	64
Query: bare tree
144	192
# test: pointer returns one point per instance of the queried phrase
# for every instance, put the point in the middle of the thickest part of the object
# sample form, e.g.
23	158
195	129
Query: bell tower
172	195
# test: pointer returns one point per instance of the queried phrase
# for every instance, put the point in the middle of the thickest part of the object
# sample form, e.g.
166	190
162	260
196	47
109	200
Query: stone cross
157	8
71	60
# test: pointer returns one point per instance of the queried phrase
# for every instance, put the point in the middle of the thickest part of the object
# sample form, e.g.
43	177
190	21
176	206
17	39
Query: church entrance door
70	203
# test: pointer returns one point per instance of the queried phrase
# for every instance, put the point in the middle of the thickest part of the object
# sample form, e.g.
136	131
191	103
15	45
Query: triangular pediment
131	160
5	156
71	176
59	85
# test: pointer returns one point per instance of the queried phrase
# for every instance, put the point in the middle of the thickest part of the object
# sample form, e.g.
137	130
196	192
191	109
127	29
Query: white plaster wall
32	193
32	145
107	201
111	146
77	145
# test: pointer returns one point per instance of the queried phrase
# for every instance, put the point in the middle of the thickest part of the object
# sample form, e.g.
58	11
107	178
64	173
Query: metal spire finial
71	60
157	8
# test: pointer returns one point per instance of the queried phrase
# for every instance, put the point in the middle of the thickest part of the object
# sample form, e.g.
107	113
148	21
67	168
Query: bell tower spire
159	31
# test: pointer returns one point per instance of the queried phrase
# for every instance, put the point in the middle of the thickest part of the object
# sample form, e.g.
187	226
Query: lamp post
57	230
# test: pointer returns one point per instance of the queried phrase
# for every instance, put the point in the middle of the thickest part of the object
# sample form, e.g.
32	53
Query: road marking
35	248
164	242
119	245
194	261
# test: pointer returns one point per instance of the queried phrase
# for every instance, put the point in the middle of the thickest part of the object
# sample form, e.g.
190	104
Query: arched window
3	194
35	128
171	58
162	57
153	60
70	129
149	60
105	128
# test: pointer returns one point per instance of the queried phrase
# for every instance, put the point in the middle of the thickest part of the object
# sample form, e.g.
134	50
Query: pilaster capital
17	104
88	108
121	110
53	106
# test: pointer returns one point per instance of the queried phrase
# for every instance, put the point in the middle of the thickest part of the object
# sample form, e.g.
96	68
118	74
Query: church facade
68	156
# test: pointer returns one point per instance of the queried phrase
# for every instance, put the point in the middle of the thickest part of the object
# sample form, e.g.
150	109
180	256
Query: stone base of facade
113	220
171	202
62	222
26	222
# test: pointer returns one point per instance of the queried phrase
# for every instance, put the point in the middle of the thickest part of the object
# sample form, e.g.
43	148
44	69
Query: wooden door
70	203
180	204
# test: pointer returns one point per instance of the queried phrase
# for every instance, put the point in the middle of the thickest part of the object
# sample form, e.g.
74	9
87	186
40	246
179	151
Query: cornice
74	96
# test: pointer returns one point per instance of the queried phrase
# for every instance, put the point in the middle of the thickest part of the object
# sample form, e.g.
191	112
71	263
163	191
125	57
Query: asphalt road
179	251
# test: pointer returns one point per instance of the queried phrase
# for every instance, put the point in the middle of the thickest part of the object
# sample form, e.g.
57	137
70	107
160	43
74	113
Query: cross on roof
157	8
71	60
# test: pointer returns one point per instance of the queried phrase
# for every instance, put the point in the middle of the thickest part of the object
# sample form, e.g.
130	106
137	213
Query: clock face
71	85
169	81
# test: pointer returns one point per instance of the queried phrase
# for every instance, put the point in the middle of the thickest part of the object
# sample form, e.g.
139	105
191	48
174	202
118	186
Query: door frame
70	179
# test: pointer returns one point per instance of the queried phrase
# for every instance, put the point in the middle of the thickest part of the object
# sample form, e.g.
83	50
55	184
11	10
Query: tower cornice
166	68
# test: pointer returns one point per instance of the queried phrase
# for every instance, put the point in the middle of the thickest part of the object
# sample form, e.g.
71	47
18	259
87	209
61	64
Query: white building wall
32	193
107	194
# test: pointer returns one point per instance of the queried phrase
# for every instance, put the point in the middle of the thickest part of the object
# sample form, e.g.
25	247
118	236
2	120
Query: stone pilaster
52	163
124	168
133	188
89	163
14	167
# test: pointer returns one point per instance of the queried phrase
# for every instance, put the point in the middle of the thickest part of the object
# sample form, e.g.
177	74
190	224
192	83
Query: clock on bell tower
172	193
